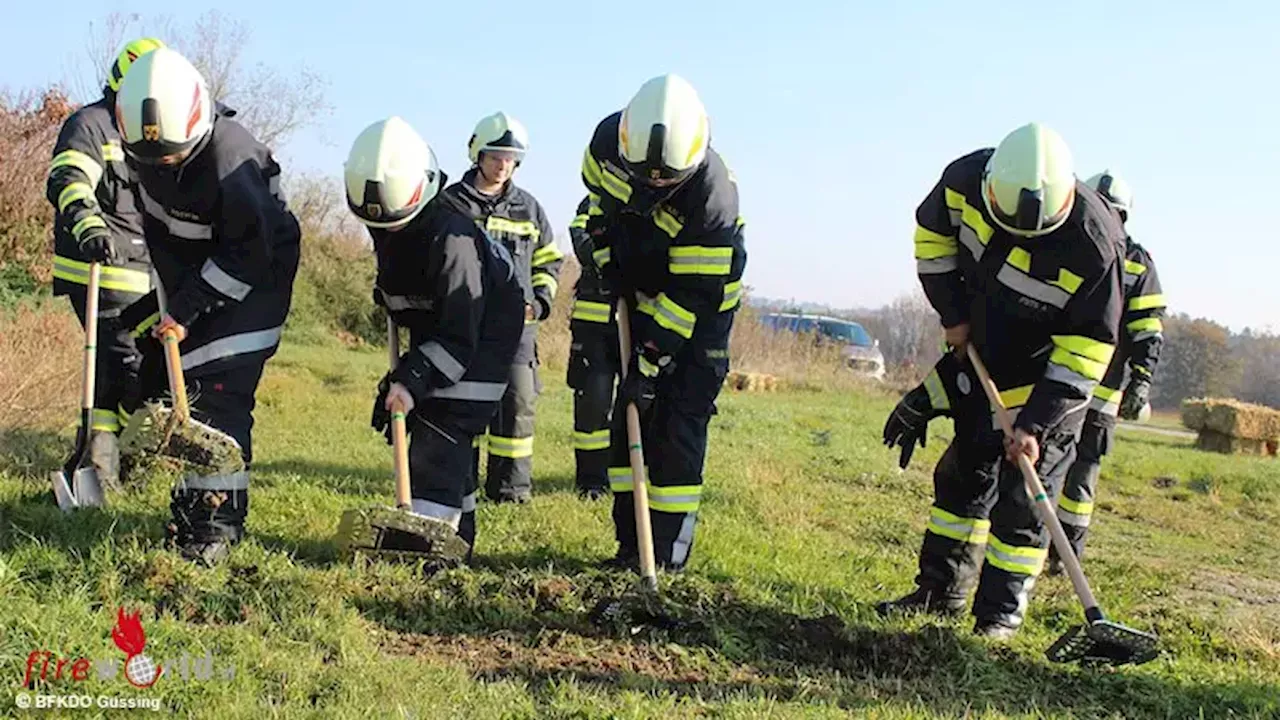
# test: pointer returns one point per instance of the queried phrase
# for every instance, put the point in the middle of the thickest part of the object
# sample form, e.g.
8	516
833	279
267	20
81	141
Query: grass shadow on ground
347	479
35	517
31	453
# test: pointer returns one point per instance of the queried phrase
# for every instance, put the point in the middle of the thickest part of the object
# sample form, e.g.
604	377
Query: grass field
806	523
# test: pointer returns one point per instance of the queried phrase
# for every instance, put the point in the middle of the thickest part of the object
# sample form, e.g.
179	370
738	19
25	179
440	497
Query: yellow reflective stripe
732	296
620	479
111	152
1151	324
700	260
670	315
1085	356
1014	559
675	498
123	415
646	368
73	192
1068	280
665	220
973	218
523	228
1016	397
590	169
955	201
966	530
579	222
598	440
591	311
1075	506
1084	367
1134	268
1106	393
79	161
1146	302
544	280
546	254
145	325
111	278
615	185
104	420
931	245
593	204
937	393
510	447
601	256
86	223
1020	259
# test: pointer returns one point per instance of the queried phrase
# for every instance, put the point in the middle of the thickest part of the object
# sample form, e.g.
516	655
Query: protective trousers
441	473
980	500
592	372
509	475
674	437
118	359
1075	505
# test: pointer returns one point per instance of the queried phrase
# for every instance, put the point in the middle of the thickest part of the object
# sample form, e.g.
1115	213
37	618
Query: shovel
76	484
1101	641
398	532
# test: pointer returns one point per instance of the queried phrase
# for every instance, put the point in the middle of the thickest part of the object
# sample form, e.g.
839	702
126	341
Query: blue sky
835	117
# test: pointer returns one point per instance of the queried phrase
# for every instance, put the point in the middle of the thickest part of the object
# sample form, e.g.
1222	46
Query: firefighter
513	217
458	294
97	219
593	365
1023	260
1141	336
225	249
665	232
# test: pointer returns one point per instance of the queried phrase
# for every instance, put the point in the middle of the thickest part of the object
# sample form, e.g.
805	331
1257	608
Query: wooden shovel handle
177	383
399	432
640	493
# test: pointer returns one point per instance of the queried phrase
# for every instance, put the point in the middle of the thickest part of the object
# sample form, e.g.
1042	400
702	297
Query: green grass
806	524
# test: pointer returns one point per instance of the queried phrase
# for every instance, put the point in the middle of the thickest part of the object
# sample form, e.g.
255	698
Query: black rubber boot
924	600
994	629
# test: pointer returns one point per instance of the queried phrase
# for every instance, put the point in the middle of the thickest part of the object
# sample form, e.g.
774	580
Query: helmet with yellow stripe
498	131
664	132
390	174
130	53
163	108
1029	183
1114	190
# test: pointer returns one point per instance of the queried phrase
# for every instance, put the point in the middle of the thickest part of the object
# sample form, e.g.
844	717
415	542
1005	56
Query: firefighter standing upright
457	293
225	249
1141	335
1021	259
513	217
98	219
593	364
663	219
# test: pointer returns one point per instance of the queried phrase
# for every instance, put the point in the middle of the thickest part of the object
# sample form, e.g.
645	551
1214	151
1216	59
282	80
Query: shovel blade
1104	642
84	489
62	491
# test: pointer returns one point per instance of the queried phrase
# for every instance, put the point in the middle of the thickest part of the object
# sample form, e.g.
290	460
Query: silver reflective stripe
970	240
443	360
231	481
1145	334
178	228
1067	376
469	502
232	345
680	548
1069	518
1105	407
955	216
1031	287
407	302
427	508
1032	565
274	186
679	322
223	282
471	390
937	266
1130	280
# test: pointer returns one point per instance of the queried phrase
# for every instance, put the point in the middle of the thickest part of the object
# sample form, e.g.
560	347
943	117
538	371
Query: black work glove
381	418
95	245
641	384
1135	397
908	423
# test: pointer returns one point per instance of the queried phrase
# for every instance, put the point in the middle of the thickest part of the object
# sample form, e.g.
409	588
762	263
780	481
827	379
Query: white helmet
498	131
664	131
1029	184
163	106
390	174
1114	190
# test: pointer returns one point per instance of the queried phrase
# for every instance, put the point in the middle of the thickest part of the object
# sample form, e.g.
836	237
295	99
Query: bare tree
272	104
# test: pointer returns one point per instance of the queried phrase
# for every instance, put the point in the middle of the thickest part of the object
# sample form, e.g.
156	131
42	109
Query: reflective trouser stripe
620	479
588	311
1073	512
123	415
238	480
1014	559
230	346
675	498
469	502
966	530
427	508
104	420
510	447
119	279
598	440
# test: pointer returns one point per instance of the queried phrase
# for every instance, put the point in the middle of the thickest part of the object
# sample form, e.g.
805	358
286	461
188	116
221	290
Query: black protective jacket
1141	332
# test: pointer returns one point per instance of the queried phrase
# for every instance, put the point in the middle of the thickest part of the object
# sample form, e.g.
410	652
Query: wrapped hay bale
1242	420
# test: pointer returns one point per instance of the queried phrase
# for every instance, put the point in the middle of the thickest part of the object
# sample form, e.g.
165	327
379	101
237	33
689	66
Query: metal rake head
1104	642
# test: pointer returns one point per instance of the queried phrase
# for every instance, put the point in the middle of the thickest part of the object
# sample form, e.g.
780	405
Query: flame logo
129	636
